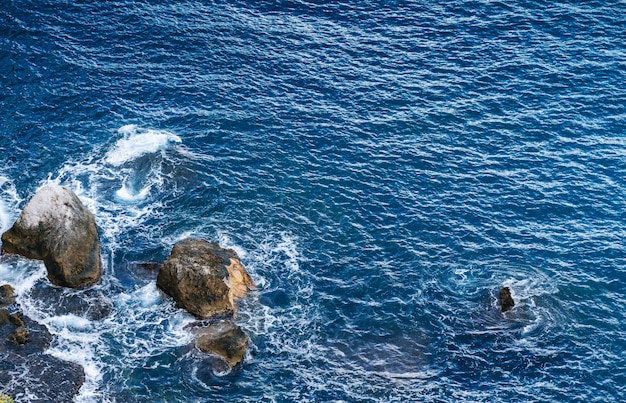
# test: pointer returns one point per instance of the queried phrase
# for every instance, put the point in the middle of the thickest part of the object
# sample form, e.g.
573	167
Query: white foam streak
137	142
4	217
127	193
22	274
9	201
69	322
81	351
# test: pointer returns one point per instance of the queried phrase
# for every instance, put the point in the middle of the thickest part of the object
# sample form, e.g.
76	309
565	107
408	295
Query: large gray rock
57	228
204	278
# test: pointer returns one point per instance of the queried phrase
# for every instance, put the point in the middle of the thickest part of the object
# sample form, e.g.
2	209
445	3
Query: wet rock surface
207	281
204	278
89	304
506	300
223	339
57	228
26	371
7	295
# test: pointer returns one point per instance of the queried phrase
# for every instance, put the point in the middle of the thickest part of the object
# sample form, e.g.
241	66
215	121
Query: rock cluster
56	227
207	281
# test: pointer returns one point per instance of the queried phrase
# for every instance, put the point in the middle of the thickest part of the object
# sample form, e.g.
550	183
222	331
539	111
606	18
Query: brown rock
19	336
5	316
506	300
16	320
7	295
223	339
57	228
204	278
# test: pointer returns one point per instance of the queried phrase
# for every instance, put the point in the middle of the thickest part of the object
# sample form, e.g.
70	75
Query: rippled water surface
382	168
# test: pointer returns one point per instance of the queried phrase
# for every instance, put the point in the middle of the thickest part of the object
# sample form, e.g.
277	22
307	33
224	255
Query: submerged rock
223	339
506	300
204	278
57	228
90	304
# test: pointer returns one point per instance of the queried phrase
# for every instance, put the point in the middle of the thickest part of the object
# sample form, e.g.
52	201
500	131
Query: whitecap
70	321
148	296
138	141
128	194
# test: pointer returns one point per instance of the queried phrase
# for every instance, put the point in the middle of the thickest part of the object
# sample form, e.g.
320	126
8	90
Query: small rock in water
506	300
223	339
19	336
7	295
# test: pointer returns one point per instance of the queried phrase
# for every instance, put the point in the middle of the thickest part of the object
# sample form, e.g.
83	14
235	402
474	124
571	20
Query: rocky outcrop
207	281
26	371
204	278
506	300
57	228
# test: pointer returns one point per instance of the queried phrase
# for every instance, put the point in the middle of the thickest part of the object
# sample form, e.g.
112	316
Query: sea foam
138	141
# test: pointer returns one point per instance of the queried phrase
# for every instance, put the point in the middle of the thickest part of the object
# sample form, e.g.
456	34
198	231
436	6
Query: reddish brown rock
204	278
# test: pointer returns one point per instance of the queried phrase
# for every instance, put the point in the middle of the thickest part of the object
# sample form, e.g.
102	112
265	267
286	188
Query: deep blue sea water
383	168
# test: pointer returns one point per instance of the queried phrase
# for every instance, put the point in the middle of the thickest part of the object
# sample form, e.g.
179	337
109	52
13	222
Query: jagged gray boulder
57	228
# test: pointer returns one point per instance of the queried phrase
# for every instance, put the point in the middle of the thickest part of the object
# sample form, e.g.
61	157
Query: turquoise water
382	168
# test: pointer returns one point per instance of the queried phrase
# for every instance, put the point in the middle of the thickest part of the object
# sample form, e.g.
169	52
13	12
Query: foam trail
137	142
7	193
4	217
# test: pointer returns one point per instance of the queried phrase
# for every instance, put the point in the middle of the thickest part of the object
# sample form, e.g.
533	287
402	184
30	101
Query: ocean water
382	168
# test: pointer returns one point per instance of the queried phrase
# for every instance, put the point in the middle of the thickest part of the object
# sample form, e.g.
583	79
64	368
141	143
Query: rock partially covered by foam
57	228
204	278
506	300
223	339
